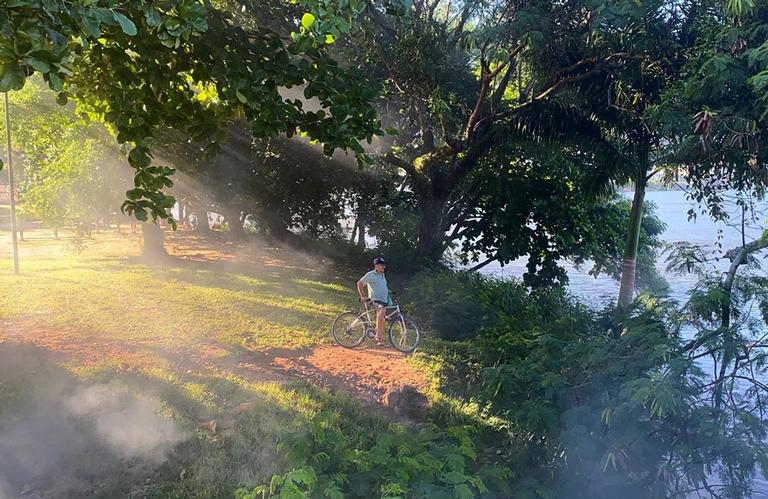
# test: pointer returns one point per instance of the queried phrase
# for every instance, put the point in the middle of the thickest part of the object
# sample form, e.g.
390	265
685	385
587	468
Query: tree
659	31
463	78
287	184
715	115
71	172
534	201
708	120
141	66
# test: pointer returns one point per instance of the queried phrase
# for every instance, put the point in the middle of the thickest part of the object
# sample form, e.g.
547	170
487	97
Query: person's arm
361	290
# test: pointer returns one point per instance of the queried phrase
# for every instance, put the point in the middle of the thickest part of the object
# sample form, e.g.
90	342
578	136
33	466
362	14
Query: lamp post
11	185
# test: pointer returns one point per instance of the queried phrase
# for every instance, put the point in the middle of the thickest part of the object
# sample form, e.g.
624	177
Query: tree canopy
187	65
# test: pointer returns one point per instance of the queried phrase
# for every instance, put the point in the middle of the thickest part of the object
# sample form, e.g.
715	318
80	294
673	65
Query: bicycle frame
406	338
365	316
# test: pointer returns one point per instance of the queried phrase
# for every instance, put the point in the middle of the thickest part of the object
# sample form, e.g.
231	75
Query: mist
60	434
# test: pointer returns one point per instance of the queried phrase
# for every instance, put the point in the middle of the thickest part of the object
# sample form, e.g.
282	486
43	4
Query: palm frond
560	125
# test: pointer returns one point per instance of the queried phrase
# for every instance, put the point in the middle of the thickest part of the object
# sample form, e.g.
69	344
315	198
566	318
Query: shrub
458	305
332	461
602	405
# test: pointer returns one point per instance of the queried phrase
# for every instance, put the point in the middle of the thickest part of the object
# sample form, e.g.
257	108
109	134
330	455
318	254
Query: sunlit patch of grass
322	286
132	302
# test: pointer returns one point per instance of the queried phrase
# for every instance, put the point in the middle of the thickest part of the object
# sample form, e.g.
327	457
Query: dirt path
367	374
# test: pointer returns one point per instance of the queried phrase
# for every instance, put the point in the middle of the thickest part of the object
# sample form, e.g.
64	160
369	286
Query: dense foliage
69	171
394	462
183	64
540	207
613	405
714	116
468	85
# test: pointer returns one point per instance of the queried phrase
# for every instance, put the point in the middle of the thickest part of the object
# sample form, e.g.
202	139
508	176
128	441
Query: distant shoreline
652	187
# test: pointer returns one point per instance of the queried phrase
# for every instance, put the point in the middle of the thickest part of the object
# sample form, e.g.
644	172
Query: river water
672	208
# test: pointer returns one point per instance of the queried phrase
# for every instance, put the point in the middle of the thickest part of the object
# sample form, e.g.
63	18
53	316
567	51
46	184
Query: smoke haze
58	436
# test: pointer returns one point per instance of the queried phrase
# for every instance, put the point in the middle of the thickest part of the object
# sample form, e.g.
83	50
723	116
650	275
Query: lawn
189	376
249	296
96	343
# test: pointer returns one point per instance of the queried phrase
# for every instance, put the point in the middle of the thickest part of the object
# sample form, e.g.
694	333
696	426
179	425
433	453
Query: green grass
106	316
120	299
145	323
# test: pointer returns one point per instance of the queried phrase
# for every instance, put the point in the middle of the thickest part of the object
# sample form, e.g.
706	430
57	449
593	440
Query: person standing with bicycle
377	294
352	327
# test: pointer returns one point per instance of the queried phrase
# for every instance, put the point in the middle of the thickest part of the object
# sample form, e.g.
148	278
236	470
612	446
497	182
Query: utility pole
11	185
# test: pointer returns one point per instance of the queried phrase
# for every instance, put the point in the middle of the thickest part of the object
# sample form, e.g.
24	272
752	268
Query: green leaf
199	24
138	158
462	491
17	3
91	26
140	214
152	16
11	77
134	194
37	64
307	20
454	477
125	24
55	82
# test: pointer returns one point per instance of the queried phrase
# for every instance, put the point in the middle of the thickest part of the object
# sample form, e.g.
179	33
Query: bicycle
351	328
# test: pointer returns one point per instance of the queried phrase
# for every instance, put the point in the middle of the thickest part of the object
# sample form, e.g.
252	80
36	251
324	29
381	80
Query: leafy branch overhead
142	66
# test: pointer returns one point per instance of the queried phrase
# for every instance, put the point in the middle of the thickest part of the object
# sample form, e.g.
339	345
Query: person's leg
380	315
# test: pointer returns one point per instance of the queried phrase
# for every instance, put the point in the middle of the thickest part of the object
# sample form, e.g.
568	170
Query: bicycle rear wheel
348	330
404	334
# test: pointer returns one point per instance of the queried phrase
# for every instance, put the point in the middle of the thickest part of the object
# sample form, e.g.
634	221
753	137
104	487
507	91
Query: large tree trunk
629	266
235	223
431	243
154	240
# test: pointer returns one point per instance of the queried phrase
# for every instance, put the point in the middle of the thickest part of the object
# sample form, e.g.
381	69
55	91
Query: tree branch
378	17
561	80
401	163
429	158
496	100
485	83
737	256
483	264
462	22
431	9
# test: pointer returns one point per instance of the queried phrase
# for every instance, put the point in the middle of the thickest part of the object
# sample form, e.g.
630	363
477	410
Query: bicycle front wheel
404	334
348	330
